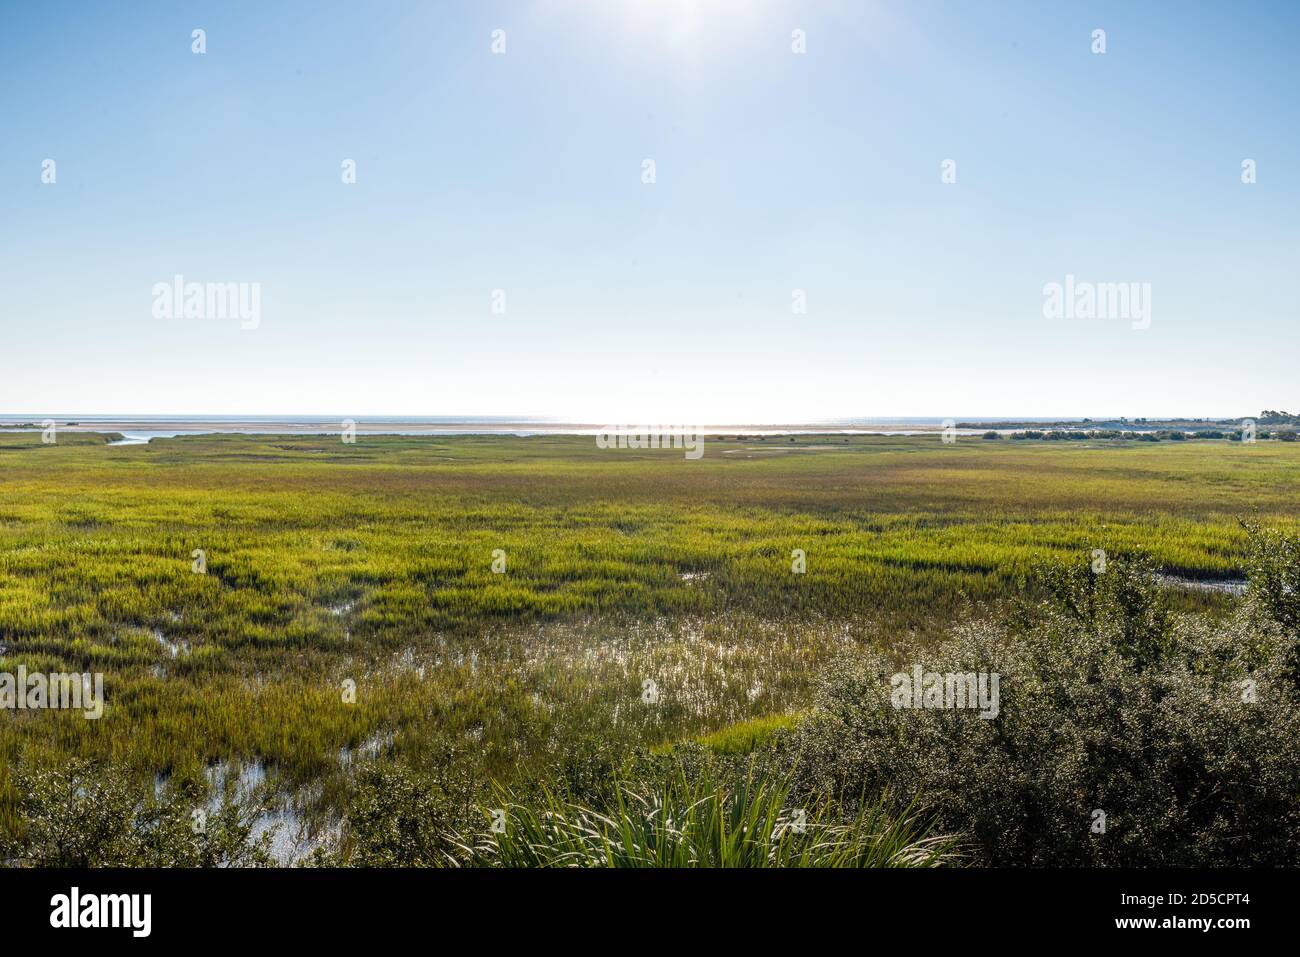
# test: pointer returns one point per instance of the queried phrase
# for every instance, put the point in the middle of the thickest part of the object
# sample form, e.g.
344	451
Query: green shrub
1109	704
1273	568
397	817
83	816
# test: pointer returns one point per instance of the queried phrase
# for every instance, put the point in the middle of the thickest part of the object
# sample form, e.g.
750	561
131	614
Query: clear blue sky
666	302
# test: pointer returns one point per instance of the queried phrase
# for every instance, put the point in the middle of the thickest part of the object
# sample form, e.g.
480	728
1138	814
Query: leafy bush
82	816
400	818
1273	567
1181	731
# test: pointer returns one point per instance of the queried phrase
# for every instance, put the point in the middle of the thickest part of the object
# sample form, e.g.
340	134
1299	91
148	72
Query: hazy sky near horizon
627	301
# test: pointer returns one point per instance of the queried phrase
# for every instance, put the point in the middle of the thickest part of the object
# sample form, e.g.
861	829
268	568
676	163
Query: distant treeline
1274	417
1161	435
1267	417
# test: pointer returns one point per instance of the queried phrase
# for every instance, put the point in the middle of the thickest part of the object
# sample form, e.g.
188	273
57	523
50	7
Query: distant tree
1277	417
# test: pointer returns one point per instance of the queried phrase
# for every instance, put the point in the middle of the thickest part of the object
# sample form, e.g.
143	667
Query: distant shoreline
491	425
445	425
140	430
460	427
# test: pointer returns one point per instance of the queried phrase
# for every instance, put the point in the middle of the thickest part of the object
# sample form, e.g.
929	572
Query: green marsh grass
372	562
